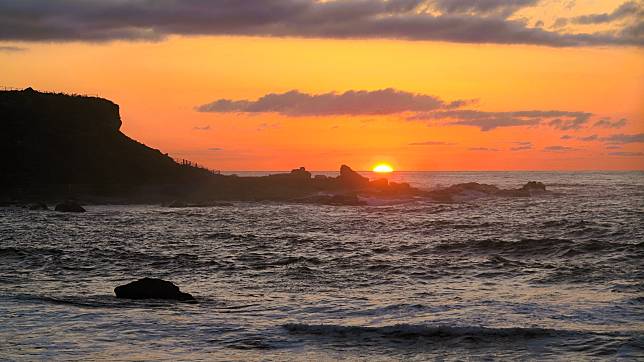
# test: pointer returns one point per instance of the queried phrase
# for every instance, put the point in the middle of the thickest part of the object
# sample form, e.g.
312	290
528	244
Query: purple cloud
352	102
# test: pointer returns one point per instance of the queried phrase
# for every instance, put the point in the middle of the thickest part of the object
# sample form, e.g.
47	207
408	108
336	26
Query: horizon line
399	171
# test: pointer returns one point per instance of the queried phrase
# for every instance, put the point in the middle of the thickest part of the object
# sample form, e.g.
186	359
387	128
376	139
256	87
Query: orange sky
159	84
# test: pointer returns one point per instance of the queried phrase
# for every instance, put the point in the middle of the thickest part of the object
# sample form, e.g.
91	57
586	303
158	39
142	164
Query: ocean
552	277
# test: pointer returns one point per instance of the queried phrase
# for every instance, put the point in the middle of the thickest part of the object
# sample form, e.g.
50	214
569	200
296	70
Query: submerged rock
69	206
38	206
474	189
151	288
534	186
182	204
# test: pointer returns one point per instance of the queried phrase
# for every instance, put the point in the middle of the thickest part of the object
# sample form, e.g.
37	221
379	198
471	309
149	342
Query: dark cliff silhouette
52	142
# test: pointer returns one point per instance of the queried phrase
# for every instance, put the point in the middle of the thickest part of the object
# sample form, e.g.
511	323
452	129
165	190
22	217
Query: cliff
59	139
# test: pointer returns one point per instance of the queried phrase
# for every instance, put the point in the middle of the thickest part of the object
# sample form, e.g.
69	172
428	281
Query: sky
279	84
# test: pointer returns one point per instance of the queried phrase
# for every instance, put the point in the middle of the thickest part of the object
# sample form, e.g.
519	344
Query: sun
382	168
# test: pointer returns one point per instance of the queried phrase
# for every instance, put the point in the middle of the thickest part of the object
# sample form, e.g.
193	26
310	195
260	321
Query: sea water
557	277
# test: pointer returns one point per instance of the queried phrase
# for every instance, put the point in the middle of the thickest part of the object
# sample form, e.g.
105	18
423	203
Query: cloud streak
433	20
432	143
624	138
626	154
608	123
487	121
522	146
11	49
558	148
483	149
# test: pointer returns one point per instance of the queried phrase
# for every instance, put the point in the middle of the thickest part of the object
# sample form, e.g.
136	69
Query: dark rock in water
182	204
38	206
150	288
453	192
69	206
534	186
472	189
351	179
301	173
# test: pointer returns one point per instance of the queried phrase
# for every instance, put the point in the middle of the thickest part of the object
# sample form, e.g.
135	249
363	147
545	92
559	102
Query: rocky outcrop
69	206
534	186
38	206
350	179
183	204
473	190
151	288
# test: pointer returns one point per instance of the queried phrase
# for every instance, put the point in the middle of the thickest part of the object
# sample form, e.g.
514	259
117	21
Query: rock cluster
475	189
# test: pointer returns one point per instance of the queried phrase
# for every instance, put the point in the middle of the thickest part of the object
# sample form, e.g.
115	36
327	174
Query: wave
414	331
559	247
103	301
26	251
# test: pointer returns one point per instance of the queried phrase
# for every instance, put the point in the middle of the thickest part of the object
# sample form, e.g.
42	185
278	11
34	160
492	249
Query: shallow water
552	277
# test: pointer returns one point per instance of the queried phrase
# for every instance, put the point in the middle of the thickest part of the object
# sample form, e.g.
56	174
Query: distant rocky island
58	147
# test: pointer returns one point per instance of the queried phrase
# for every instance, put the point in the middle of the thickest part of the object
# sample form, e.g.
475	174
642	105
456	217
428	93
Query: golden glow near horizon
383	168
158	85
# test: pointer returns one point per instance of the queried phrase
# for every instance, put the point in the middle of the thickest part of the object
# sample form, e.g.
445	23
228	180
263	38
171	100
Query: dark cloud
624	138
503	8
626	154
215	149
626	10
559	149
483	149
566	137
560	23
484	21
353	102
201	128
613	147
521	146
487	121
432	143
608	123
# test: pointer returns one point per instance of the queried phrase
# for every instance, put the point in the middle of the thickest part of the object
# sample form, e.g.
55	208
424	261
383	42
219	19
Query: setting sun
383	168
